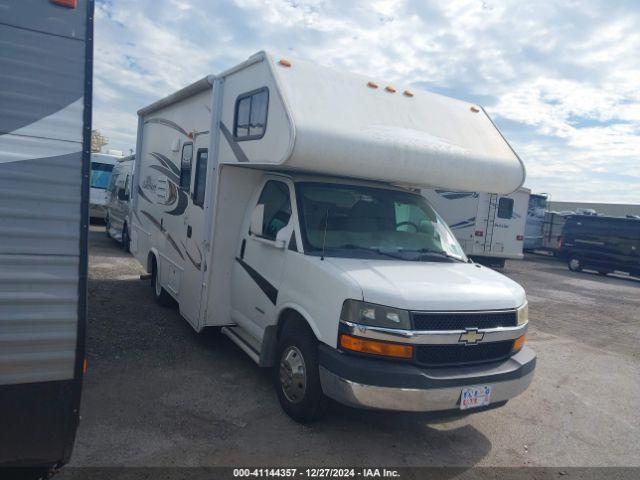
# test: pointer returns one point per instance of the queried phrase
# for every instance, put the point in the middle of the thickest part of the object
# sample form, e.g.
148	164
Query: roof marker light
474	109
372	85
407	93
66	3
390	89
284	63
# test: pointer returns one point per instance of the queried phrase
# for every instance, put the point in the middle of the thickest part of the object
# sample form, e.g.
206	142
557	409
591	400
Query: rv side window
185	166
200	183
277	208
505	207
251	115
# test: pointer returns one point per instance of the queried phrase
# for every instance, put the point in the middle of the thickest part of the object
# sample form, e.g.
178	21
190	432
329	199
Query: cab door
257	271
193	181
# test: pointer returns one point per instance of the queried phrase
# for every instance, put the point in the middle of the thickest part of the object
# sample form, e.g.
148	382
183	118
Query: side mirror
122	195
257	217
282	237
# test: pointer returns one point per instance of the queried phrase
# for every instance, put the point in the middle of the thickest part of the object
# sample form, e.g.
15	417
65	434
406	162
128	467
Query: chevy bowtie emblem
471	337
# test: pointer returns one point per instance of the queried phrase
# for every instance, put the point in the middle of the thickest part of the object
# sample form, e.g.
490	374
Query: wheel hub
293	374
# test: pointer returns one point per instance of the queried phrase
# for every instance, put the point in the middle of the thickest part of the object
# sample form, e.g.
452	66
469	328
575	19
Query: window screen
200	183
251	115
277	208
185	166
505	207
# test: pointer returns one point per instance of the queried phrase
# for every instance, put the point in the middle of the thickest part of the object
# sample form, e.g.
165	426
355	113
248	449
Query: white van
277	200
118	207
489	227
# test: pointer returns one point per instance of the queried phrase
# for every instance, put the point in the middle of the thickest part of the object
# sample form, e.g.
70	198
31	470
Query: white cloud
561	79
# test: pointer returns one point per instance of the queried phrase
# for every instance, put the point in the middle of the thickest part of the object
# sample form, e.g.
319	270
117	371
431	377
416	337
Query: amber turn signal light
384	349
518	343
66	3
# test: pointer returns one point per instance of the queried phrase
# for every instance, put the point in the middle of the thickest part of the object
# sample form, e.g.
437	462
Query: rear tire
160	295
126	240
297	376
575	263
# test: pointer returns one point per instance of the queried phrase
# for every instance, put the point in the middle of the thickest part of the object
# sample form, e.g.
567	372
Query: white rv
101	167
489	227
277	200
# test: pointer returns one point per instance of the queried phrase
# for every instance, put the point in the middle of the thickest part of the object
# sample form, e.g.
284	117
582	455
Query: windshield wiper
441	253
351	246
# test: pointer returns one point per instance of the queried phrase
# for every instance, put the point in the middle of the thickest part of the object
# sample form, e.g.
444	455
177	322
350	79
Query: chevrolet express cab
279	201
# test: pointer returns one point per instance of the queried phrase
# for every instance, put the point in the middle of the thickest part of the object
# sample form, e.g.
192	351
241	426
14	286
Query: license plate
473	397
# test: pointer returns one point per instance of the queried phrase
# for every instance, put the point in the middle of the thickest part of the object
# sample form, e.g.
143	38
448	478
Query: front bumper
384	385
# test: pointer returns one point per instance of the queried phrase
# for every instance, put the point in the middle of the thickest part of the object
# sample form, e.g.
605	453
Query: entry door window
277	208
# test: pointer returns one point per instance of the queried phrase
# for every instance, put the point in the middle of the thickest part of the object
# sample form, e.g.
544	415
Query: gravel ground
158	394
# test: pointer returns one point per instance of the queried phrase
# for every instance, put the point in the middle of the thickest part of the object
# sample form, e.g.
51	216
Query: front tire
297	376
575	263
160	295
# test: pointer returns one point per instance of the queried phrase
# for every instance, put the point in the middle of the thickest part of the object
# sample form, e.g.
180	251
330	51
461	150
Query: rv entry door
192	235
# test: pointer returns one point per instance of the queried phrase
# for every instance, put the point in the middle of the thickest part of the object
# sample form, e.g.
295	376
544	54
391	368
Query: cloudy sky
561	79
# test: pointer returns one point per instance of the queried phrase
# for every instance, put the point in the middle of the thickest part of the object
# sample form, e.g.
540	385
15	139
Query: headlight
523	313
355	311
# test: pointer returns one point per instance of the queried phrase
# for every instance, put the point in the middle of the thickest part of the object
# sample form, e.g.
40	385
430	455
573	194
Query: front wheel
297	378
575	263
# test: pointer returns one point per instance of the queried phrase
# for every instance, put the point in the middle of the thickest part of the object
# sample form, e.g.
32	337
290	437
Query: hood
431	285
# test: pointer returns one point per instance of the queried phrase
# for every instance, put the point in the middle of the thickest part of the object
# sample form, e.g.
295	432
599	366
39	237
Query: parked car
603	244
118	207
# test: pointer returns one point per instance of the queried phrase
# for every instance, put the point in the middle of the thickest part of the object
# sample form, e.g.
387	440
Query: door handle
188	231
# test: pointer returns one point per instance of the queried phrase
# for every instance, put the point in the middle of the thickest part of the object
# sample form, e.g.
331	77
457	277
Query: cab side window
277	208
185	166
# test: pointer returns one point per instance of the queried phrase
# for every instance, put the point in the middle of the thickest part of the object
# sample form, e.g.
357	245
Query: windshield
368	222
100	174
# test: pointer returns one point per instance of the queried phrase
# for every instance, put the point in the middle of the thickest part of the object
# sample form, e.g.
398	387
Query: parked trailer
267	202
535	221
45	138
490	227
